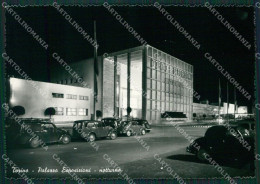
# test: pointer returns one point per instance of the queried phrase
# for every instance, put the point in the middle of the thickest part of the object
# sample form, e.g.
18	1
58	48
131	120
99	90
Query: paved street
128	153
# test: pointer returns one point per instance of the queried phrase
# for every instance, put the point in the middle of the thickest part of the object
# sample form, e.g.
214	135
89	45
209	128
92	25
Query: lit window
70	96
83	97
57	95
59	111
83	112
71	111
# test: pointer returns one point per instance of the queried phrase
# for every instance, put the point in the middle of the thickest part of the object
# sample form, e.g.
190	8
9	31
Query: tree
99	114
50	111
18	110
128	110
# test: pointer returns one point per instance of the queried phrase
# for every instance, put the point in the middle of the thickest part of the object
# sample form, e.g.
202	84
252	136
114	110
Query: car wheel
113	136
65	139
92	137
34	143
128	133
143	132
201	155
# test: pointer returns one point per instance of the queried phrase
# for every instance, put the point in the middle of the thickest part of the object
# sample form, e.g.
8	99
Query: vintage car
129	128
224	143
37	131
110	121
145	124
90	130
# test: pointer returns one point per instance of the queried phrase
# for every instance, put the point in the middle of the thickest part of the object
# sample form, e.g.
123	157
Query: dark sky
153	27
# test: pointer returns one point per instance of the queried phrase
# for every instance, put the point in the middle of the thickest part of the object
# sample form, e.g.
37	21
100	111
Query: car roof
36	122
109	118
246	121
89	121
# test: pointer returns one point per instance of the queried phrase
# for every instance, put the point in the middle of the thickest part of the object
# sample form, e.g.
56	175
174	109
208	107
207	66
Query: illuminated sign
158	65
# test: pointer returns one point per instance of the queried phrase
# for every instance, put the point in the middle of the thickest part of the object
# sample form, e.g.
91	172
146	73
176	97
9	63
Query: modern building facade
207	109
70	102
200	109
144	78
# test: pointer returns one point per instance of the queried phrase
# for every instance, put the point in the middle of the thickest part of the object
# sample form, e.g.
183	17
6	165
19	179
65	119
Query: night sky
214	38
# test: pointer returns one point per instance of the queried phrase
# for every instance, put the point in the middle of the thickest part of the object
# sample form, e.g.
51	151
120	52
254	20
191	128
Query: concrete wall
206	109
36	96
108	88
85	69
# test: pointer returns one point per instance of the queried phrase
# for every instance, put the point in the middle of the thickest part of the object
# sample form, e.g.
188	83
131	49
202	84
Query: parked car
145	124
90	130
246	127
222	143
44	131
110	121
129	128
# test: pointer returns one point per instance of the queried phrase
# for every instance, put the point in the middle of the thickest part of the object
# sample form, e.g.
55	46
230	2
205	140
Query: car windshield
47	127
216	132
243	130
124	123
108	121
90	124
33	126
78	125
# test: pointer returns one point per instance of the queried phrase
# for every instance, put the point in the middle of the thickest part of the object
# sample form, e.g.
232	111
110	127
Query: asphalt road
136	159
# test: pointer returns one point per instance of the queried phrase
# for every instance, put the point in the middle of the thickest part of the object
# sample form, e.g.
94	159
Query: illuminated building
158	83
70	102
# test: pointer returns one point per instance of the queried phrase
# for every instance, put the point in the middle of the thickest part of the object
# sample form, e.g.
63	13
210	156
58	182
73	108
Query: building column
144	82
115	86
128	80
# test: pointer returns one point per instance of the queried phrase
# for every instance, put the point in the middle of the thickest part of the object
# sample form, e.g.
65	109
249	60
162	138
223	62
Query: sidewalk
190	123
163	123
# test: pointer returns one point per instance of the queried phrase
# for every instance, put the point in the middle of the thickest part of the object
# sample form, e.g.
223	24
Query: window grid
70	96
71	111
174	96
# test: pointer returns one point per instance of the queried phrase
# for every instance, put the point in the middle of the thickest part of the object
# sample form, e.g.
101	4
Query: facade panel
108	88
36	97
170	82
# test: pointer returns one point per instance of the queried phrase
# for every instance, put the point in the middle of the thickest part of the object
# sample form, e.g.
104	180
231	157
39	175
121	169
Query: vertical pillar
128	81
144	82
115	86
